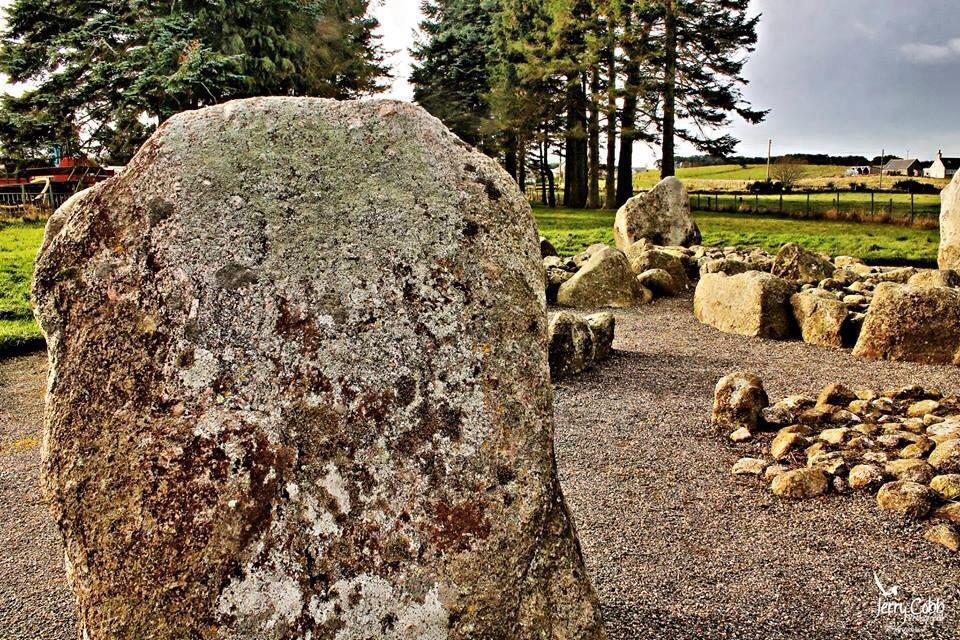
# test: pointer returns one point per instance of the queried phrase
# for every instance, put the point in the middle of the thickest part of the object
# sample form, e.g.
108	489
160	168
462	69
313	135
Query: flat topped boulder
299	387
914	324
749	304
948	256
661	215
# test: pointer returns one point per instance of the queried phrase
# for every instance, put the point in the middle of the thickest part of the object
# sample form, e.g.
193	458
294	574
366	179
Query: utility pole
883	152
769	149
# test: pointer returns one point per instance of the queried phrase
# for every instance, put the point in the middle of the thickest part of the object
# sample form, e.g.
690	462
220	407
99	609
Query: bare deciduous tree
787	171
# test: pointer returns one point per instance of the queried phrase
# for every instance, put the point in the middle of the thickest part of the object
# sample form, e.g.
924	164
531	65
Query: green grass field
646	179
733	177
18	246
571	230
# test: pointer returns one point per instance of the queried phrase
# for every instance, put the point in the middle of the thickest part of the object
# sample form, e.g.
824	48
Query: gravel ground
677	547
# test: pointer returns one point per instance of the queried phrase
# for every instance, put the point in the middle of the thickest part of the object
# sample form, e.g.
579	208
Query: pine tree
701	48
452	77
97	68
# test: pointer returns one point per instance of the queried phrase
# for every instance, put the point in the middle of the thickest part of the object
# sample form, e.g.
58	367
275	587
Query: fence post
698	200
838	203
781	202
872	193
756	203
808	205
911	207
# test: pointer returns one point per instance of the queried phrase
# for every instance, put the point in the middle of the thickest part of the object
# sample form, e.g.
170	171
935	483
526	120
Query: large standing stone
915	324
299	387
604	281
661	215
750	304
949	254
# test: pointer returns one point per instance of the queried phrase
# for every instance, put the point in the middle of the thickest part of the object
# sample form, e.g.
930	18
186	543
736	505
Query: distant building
905	167
943	167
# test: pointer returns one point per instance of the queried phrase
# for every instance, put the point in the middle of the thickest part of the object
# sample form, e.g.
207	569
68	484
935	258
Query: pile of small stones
903	445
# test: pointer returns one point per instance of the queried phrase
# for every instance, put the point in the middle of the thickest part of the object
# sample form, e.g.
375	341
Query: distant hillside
723	172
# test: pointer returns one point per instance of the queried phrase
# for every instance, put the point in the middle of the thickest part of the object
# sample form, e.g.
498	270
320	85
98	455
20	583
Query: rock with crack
913	324
738	402
822	321
293	394
661	215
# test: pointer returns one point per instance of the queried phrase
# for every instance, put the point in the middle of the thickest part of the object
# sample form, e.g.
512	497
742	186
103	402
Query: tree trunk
510	155
627	124
610	193
669	89
593	142
575	161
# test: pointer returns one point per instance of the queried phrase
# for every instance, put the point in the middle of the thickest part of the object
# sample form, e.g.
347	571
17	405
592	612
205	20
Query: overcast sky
840	76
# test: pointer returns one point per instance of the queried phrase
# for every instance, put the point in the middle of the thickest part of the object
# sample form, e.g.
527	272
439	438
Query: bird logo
886	592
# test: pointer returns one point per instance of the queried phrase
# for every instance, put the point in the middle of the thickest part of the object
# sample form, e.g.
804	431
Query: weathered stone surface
949	254
946	457
865	476
935	278
750	304
908	499
602	326
738	401
605	280
571	348
910	470
793	262
658	281
821	321
661	215
801	484
914	324
749	467
944	535
299	387
729	266
643	260
947	485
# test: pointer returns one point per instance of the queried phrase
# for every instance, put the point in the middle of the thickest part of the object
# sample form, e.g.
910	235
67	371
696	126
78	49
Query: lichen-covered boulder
750	304
738	401
801	484
603	327
935	278
793	262
643	260
914	324
572	349
948	256
299	387
661	215
908	499
822	321
605	280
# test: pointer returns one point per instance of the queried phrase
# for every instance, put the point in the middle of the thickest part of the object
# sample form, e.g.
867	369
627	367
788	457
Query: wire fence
32	202
883	207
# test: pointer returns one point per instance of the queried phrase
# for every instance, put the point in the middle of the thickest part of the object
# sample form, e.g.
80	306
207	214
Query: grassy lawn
18	246
571	230
733	177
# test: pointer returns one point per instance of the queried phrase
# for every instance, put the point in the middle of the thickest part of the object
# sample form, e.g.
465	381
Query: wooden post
911	206
808	204
756	205
781	202
872	193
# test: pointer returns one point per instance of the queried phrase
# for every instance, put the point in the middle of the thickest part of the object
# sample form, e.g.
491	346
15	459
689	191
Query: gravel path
677	547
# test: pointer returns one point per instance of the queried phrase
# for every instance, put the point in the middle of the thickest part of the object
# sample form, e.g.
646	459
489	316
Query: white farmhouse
942	167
